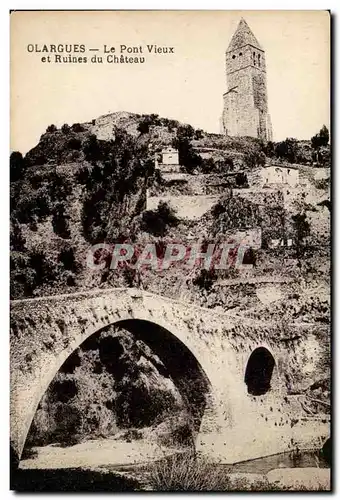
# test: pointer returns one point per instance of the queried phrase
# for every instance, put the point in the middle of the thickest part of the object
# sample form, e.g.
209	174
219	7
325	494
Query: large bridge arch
173	338
186	372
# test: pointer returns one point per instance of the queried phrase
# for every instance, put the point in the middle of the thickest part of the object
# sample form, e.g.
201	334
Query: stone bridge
231	371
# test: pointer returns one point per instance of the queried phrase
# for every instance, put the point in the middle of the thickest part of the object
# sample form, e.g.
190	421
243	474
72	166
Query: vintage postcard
170	251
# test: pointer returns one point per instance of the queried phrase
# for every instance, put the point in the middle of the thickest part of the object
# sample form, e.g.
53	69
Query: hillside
87	183
75	189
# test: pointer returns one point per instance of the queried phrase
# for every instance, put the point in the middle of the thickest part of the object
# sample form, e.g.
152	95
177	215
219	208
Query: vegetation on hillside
73	190
105	177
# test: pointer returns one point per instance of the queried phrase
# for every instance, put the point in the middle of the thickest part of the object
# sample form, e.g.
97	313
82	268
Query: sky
186	85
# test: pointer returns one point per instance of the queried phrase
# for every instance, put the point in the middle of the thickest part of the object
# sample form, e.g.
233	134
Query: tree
301	229
186	154
17	165
241	180
144	126
287	150
17	240
158	221
65	129
76	127
185	131
60	222
324	135
199	134
254	158
229	162
51	128
320	139
67	258
205	279
91	149
269	149
74	143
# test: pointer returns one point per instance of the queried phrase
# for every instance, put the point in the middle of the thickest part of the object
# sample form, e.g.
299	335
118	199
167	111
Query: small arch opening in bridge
259	372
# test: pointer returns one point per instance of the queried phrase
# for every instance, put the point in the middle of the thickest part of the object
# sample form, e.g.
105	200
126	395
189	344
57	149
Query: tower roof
243	36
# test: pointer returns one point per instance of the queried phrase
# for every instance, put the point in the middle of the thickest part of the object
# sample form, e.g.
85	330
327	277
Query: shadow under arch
259	371
186	372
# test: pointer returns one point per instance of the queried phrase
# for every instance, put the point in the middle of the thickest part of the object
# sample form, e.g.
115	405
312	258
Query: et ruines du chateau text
106	54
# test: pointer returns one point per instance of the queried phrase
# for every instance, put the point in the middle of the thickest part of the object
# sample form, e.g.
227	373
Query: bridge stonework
235	424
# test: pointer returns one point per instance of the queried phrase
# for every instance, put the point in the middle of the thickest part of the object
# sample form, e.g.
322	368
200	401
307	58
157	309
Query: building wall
279	175
170	157
194	206
168	167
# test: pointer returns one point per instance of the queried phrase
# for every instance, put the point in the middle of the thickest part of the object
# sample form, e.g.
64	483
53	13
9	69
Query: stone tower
245	104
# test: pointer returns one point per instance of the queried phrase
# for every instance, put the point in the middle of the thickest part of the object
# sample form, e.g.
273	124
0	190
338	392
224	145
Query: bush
186	472
65	129
91	149
44	272
320	139
144	126
205	279
60	222
76	127
51	128
254	158
234	213
67	258
208	166
74	143
158	221
287	150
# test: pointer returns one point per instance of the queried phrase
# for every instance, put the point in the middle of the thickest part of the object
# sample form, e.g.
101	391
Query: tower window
240	54
259	58
234	56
